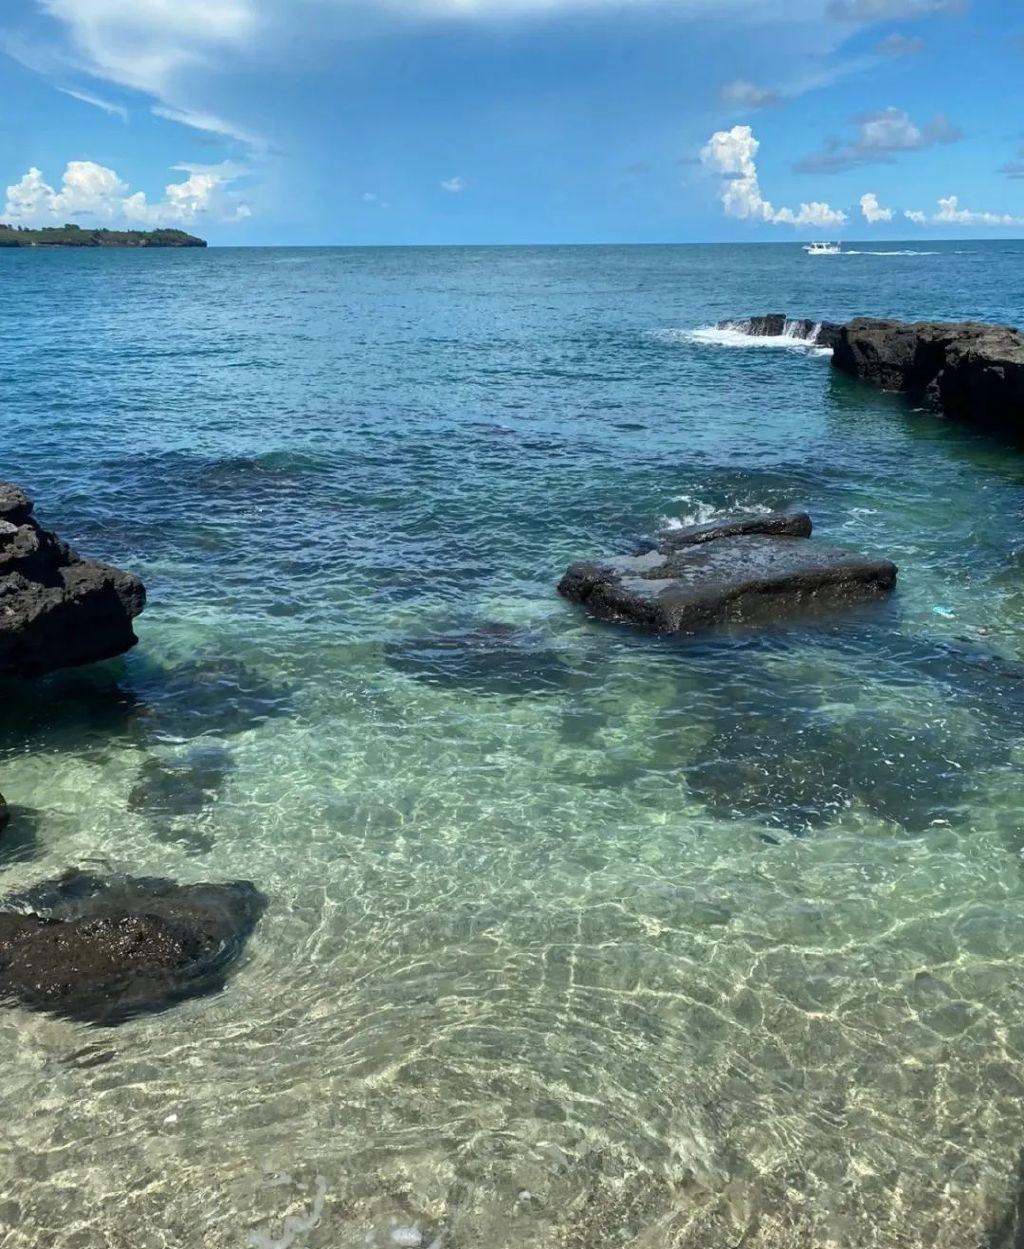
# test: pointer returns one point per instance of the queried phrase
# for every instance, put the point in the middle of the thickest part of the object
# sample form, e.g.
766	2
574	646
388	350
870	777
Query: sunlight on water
576	938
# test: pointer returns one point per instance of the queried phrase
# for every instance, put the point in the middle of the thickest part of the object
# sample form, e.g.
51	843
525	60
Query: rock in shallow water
101	951
968	370
57	610
737	575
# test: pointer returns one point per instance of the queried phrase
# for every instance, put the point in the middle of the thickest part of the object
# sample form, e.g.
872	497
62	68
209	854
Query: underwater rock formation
101	951
968	370
741	575
57	610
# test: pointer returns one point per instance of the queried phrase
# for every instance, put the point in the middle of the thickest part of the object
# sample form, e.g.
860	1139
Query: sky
515	121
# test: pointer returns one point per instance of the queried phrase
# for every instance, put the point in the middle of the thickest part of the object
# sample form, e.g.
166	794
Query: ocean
577	938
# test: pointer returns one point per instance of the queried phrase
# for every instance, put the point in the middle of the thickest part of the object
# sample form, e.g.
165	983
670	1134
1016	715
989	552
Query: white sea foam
734	335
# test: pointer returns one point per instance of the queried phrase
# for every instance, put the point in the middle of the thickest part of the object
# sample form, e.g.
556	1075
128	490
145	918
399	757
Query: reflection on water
575	938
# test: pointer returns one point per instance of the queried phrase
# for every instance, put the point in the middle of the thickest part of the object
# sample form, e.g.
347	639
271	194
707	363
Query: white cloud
879	136
454	185
115	110
872	210
950	213
96	194
731	155
743	94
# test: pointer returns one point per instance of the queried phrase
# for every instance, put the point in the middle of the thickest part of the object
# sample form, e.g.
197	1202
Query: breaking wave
796	336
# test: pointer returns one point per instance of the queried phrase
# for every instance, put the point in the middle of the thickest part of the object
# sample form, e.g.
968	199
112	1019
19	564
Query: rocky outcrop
101	951
775	524
967	370
741	575
57	610
778	325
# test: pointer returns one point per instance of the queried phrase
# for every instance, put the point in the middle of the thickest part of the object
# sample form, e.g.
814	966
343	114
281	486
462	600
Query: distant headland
75	236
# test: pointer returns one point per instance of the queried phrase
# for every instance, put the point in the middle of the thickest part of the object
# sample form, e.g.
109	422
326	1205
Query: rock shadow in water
214	695
104	950
19	834
492	658
185	785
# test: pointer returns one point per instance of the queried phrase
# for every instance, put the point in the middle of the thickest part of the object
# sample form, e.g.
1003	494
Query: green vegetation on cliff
75	236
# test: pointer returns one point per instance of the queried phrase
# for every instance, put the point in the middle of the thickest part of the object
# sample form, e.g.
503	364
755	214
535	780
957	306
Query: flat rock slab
103	950
741	577
57	610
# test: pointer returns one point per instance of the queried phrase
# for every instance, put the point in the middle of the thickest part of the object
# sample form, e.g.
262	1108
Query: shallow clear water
576	938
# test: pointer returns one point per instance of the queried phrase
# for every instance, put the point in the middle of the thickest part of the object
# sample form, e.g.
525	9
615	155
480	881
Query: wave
904	252
737	334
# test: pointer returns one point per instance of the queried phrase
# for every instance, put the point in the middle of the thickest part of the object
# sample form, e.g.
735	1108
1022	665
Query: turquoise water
576	938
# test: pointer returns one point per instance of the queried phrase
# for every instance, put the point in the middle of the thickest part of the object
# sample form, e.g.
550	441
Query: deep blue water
577	938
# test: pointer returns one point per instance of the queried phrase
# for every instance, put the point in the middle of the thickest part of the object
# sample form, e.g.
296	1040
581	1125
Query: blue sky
505	121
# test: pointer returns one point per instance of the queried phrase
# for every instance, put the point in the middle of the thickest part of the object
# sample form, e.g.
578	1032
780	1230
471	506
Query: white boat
823	249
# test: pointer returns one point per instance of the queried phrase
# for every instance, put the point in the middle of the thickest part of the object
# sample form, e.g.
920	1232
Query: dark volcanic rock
969	370
746	579
777	524
102	951
57	610
5	815
778	325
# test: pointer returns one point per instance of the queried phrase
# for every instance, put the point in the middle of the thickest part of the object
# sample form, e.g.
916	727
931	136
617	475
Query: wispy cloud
114	110
1014	168
731	156
879	137
454	185
892	10
900	45
747	95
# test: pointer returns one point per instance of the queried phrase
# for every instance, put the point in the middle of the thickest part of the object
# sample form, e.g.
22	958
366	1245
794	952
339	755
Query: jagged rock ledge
969	370
742	571
57	610
778	325
103	950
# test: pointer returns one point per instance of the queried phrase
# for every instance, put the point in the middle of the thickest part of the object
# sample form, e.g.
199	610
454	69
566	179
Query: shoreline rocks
57	609
967	370
102	951
778	325
746	570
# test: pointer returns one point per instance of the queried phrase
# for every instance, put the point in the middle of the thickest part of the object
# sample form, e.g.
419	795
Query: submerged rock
181	786
57	610
491	658
101	951
739	575
778	325
968	370
5	814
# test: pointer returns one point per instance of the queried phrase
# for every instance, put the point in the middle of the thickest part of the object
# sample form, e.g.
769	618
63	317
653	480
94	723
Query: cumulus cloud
900	45
731	156
950	213
743	94
872	211
879	136
97	195
453	185
891	10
